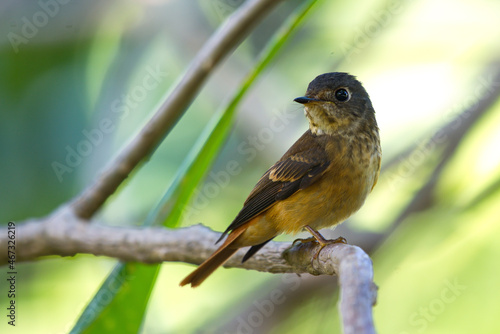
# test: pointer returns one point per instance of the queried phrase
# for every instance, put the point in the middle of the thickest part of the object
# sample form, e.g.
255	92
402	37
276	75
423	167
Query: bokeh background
431	225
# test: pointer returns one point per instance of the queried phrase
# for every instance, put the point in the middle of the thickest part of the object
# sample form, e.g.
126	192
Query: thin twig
222	42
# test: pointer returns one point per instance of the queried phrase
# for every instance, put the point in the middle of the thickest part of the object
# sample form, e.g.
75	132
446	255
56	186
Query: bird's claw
325	242
303	241
320	241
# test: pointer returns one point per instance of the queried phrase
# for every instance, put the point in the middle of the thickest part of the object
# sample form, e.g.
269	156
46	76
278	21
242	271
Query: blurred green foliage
422	63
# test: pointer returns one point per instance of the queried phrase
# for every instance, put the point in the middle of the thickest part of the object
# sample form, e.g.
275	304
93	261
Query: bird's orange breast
339	193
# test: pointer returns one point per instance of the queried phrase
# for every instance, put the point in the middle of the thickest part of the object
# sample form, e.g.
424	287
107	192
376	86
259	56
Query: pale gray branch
64	234
222	42
358	292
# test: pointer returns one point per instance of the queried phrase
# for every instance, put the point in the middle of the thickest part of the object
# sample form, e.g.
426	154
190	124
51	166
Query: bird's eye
342	95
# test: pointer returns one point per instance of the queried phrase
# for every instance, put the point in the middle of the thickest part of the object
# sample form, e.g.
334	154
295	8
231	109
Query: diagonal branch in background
454	132
456	128
217	47
64	234
296	291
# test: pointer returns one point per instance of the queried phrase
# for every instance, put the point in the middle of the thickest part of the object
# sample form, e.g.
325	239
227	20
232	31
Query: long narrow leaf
108	309
211	141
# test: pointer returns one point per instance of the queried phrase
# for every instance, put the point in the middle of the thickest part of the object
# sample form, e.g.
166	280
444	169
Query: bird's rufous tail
217	259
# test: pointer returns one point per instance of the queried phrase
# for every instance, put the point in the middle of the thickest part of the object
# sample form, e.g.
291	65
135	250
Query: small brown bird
320	181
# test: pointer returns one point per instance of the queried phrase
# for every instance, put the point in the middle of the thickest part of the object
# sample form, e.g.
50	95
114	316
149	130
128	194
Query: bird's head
336	102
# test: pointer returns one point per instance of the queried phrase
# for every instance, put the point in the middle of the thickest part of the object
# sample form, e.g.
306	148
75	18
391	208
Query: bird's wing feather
300	167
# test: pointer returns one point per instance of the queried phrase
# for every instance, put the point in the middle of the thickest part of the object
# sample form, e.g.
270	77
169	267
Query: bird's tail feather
217	259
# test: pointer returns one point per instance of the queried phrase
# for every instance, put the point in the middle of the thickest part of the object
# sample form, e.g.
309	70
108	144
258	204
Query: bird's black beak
305	100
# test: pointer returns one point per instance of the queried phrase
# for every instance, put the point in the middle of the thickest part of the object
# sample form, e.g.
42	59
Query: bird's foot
303	241
322	241
326	242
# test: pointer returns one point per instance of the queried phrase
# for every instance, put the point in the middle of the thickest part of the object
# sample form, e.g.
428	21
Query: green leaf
118	306
215	134
121	302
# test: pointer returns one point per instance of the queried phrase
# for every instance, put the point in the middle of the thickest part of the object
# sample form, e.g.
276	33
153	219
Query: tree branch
64	234
222	42
453	133
354	268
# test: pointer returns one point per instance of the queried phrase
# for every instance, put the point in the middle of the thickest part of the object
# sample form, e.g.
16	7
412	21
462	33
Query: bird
323	178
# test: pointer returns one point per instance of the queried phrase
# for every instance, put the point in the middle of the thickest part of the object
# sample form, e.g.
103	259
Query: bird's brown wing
301	166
